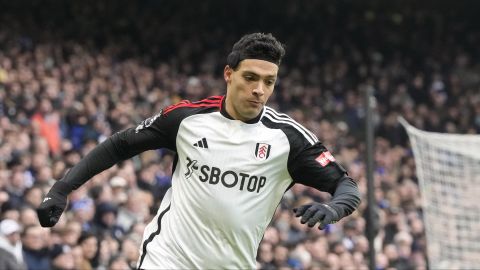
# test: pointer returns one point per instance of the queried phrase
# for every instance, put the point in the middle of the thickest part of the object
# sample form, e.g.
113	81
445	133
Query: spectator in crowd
130	251
35	249
104	222
10	241
46	123
71	232
28	216
89	246
7	261
117	262
61	257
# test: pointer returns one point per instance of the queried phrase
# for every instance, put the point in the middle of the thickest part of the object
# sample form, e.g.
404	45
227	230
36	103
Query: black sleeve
155	132
315	166
346	197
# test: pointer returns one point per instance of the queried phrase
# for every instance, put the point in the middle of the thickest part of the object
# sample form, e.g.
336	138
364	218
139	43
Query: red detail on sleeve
213	101
325	158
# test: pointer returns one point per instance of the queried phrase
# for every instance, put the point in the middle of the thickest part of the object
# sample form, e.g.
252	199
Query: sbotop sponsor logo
229	179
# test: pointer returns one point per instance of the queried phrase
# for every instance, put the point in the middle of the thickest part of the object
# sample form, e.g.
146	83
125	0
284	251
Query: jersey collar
224	112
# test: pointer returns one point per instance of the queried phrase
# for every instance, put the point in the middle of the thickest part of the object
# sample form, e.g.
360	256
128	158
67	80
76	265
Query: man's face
249	87
34	238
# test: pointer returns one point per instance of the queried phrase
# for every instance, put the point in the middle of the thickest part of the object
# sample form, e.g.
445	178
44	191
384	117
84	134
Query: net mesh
448	169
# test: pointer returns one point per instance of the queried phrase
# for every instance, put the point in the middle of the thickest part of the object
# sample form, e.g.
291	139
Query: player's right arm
155	132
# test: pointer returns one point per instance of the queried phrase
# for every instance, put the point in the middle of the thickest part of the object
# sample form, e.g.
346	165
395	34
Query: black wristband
62	187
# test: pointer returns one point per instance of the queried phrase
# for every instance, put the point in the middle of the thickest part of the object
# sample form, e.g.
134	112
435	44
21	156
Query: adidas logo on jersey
202	143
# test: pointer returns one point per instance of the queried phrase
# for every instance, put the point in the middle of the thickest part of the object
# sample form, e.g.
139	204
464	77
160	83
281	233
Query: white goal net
448	169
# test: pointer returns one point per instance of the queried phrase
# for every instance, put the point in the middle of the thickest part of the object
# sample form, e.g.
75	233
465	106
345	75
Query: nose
259	89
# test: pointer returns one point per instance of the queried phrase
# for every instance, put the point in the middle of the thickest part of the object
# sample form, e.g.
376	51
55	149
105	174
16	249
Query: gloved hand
317	212
53	205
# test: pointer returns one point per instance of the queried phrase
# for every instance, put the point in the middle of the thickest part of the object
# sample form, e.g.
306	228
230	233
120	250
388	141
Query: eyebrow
247	72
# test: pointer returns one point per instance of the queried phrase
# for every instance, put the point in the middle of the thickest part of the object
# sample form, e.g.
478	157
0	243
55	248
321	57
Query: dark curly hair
256	46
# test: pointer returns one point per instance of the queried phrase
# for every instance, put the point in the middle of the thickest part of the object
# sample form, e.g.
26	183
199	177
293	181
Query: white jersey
228	179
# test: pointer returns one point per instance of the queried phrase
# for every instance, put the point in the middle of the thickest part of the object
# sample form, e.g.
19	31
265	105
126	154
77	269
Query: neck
229	112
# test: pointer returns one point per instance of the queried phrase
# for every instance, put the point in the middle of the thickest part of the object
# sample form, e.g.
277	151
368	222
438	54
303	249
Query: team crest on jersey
262	151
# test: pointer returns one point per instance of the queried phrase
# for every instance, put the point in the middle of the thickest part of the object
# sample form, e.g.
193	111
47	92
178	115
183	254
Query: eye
249	78
269	82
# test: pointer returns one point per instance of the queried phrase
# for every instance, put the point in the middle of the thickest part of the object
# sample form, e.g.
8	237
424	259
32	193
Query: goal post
448	169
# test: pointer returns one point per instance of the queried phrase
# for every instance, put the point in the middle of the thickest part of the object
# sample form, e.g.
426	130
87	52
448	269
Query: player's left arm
316	167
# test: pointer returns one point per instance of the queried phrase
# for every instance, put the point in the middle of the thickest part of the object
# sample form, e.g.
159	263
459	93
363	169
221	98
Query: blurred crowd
72	74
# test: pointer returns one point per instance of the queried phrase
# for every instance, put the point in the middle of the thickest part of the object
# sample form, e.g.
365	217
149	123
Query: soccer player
235	158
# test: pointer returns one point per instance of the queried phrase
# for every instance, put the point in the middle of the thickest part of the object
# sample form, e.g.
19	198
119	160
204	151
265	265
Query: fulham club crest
262	151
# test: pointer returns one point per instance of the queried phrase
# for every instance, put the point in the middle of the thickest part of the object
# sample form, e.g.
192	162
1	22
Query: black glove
52	206
317	212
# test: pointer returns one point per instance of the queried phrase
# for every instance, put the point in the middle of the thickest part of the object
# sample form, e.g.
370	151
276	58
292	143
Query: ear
227	74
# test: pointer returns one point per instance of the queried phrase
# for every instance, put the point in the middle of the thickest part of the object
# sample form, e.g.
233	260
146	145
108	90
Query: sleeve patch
324	158
147	122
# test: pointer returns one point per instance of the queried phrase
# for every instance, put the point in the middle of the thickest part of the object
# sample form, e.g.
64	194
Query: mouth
255	103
